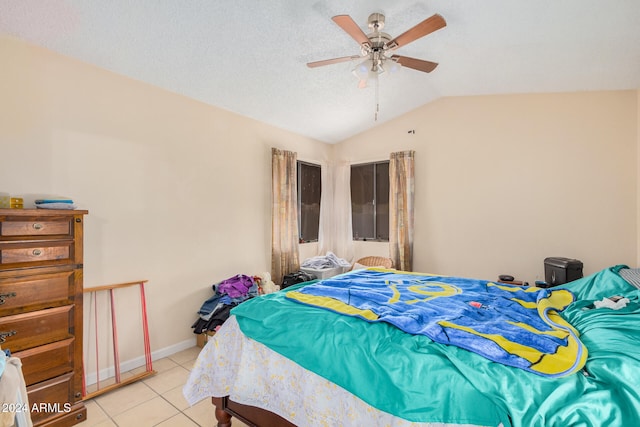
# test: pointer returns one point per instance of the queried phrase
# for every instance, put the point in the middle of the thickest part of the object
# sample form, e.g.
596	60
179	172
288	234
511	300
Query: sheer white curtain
284	214
336	231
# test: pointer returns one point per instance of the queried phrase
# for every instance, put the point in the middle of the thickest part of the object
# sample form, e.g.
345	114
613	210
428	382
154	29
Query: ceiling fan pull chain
375	118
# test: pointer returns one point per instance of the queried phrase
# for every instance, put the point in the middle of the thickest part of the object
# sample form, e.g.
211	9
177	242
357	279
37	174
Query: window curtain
335	233
401	195
284	214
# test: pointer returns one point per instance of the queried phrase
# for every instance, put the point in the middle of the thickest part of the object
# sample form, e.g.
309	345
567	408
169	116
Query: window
370	201
309	189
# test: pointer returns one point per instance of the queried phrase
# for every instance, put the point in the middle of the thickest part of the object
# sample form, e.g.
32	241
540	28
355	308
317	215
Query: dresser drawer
37	291
23	331
37	254
51	398
36	228
47	361
77	414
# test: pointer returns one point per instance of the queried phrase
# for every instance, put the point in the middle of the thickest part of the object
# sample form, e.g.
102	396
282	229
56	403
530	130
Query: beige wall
504	181
638	178
178	192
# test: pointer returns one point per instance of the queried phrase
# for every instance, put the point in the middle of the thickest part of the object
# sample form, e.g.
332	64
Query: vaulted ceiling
250	56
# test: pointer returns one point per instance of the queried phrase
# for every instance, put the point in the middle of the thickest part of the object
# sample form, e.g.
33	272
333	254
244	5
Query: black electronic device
559	270
506	278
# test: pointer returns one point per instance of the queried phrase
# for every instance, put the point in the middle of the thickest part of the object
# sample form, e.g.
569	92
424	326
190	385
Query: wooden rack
110	291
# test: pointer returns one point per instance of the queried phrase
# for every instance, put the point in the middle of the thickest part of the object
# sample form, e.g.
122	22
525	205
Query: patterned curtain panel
401	195
284	214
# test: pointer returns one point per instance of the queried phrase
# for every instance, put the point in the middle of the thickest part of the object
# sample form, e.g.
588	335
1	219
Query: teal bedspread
417	379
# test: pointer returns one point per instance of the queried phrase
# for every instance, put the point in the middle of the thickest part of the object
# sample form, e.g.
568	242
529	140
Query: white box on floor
324	273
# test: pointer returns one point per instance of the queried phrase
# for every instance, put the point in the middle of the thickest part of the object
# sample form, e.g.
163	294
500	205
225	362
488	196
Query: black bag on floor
297	277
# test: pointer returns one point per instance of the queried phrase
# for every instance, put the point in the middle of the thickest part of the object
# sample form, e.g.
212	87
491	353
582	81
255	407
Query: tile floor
155	400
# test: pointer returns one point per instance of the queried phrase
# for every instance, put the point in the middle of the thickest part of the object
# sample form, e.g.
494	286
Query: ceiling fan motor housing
377	39
376	21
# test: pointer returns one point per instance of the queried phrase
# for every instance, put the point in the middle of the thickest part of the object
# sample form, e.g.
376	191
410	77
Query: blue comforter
514	325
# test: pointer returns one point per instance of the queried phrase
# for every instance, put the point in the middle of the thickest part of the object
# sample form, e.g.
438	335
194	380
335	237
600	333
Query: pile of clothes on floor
228	294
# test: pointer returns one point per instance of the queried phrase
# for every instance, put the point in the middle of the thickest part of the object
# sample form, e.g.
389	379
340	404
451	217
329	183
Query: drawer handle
3	297
38	226
4	335
37	252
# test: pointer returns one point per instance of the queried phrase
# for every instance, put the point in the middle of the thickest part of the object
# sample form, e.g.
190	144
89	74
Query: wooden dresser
41	308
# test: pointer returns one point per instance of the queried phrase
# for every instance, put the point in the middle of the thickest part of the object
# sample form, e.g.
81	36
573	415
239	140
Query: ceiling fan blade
350	27
427	26
416	64
332	61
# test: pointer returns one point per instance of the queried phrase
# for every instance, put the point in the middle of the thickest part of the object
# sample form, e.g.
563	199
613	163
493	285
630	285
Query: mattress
250	373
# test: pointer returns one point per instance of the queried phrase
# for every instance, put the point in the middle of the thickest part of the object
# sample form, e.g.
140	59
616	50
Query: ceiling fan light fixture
373	74
376	68
368	70
361	71
392	66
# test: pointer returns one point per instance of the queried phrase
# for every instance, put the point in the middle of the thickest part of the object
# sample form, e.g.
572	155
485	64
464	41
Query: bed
278	361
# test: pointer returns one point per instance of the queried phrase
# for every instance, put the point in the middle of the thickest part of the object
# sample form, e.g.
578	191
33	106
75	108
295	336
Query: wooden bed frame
250	415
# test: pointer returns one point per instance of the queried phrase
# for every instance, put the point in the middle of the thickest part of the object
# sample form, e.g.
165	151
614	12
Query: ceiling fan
377	47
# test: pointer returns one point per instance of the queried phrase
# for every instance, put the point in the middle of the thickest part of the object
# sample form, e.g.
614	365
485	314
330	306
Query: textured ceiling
249	56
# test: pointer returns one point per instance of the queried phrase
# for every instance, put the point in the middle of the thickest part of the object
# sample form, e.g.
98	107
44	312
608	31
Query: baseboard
137	362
